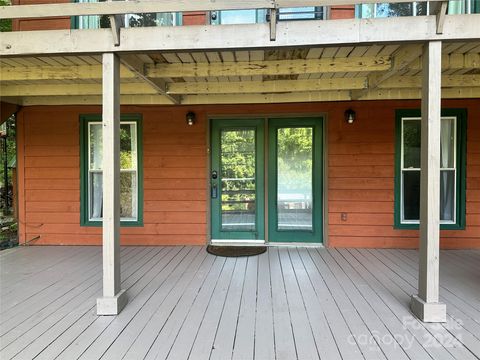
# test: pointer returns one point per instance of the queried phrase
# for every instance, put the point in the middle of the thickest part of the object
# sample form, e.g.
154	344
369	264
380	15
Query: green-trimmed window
131	177
452	169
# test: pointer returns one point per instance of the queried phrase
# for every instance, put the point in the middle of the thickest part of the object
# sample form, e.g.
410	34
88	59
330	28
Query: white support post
426	305
114	299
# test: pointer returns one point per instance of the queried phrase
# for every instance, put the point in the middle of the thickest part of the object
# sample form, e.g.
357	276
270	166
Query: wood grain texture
360	168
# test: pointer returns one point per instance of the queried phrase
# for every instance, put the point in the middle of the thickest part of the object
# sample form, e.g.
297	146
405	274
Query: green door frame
296	236
274	235
216	214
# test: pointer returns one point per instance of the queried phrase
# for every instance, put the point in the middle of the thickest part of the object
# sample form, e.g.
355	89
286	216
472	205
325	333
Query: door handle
214	190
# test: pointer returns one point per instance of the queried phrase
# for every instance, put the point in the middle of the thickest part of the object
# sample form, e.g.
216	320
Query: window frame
460	176
75	20
85	121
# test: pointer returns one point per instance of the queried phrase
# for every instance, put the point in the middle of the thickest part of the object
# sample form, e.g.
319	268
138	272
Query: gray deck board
289	303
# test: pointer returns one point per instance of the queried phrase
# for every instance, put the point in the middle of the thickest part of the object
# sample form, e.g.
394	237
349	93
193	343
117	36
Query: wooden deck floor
185	304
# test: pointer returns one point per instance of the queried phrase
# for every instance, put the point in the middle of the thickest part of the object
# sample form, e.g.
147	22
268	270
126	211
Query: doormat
236	251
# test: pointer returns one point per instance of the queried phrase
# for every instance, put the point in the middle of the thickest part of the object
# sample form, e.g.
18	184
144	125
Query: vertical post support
114	299
426	305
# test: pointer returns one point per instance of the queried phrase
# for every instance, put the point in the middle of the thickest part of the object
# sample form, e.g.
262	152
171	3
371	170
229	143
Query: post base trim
112	305
428	312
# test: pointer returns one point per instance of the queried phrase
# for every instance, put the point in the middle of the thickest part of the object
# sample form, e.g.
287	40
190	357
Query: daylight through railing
165	6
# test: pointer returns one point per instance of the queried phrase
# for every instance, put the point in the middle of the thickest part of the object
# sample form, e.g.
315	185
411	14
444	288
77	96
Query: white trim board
245	36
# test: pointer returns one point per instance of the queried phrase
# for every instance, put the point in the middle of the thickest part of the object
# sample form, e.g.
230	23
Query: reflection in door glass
237	153
294	178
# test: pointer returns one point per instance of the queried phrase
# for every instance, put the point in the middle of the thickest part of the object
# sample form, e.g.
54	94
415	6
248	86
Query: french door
266	179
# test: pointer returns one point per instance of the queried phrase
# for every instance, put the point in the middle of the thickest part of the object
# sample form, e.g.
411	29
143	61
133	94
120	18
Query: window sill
138	223
417	226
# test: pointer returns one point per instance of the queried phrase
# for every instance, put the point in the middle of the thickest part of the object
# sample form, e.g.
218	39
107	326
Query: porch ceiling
367	72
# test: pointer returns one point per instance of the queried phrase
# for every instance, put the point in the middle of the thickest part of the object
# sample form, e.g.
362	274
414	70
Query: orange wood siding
174	179
361	178
194	18
40	24
342	12
360	174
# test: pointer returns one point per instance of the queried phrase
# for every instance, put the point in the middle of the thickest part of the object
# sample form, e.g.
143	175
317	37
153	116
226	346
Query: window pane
294	178
411	195
394	9
128	179
411	143
367	11
238	17
238	180
299	13
447	144
96	195
128	191
96	155
447	195
128	146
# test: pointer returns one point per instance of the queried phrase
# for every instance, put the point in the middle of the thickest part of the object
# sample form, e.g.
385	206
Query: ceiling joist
469	61
137	67
341	95
246	87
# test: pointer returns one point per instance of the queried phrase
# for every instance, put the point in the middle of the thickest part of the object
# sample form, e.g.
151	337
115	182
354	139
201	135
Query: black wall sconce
350	116
190	118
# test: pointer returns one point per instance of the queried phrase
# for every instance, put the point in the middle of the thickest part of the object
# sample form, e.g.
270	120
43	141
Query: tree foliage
5	24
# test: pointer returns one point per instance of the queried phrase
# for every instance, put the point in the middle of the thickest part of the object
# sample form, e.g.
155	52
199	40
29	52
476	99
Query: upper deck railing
166	6
275	33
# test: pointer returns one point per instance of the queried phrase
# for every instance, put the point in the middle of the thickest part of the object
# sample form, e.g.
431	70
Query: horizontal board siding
174	178
361	180
360	174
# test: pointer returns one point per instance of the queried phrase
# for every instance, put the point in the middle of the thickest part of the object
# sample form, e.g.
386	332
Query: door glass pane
447	144
447	195
411	195
411	143
237	151
294	178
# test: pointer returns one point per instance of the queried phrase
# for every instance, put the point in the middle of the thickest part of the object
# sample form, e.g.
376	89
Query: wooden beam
411	93
459	81
263	68
296	97
273	23
153	99
468	61
136	7
401	60
115	25
440	11
173	89
137	67
245	36
74	72
275	86
246	87
114	299
71	89
426	304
